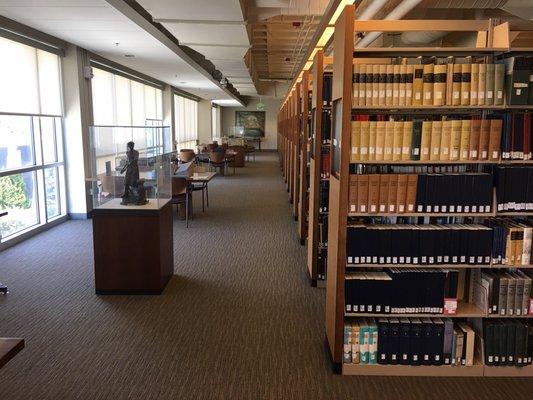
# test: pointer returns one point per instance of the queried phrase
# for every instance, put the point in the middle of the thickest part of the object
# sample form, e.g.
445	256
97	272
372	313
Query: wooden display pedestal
133	248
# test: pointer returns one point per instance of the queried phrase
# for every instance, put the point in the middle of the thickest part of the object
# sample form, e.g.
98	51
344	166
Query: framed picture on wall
250	123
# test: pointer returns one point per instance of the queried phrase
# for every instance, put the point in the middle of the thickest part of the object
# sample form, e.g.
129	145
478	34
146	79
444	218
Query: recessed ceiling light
129	55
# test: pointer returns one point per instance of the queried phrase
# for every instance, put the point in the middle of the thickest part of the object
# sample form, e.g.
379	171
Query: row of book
408	341
325	164
419	244
400	290
502	292
428	84
421	193
514	188
323	196
326	126
327	89
439	140
508	342
511	241
517	136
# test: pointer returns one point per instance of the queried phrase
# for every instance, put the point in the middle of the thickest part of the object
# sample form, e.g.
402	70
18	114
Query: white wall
271	120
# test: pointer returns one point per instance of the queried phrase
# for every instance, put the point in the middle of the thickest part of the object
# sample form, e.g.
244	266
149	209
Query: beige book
427	86
481	84
389	84
355	86
362	193
456	85
393	192
396	85
445	140
489	85
402	85
406	140
352	195
372	140
384	193
380	140
382	84
484	137
365	140
464	150
449	82
466	75
373	193
474	84
418	73
499	75
495	139
409	85
398	139
410	201
436	138
455	140
362	85
356	141
375	85
439	86
469	339
389	141
474	139
401	198
425	141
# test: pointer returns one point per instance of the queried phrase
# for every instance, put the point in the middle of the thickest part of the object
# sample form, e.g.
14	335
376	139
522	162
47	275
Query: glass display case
108	146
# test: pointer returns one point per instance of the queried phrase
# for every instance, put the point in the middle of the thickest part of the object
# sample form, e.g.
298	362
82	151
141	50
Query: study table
9	348
198	181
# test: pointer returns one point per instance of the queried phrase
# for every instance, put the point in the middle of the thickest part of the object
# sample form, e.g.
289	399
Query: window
215	122
119	101
32	182
186	114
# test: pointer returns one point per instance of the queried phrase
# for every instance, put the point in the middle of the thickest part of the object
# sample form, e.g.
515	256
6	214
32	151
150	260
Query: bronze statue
134	190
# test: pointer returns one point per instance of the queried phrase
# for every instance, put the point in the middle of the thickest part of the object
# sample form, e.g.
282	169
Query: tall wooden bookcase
345	52
303	194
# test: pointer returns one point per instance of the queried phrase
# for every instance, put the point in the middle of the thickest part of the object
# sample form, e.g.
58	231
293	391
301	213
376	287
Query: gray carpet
238	321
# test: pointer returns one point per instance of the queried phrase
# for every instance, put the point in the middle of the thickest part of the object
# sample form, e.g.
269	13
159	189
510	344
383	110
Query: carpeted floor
238	321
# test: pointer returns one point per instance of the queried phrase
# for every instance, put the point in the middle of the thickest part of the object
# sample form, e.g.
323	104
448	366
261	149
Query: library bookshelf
303	140
316	248
492	42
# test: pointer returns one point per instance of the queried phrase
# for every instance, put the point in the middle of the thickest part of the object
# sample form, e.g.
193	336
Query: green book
373	342
364	342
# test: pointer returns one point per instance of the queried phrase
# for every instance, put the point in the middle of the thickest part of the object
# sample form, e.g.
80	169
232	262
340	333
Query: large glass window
31	148
119	101
186	114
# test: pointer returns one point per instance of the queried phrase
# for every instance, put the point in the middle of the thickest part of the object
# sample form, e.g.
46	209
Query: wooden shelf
407	370
446	266
352	214
420	162
390	109
464	310
419	51
510	371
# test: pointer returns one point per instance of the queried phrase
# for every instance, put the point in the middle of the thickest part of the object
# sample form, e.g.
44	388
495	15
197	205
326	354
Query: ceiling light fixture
129	55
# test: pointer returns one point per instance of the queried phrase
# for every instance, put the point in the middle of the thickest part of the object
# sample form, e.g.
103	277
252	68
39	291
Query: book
427	87
384	180
474	84
402	85
425	141
455	142
365	141
484	138
352	193
474	138
410	199
482	70
382	84
446	138
396	85
356	140
397	141
362	193
464	150
499	76
389	141
436	138
373	193
439	87
409	85
456	85
389	84
418	71
406	140
489	84
355	86
380	140
375	85
416	139
362	85
373	131
466	71
495	135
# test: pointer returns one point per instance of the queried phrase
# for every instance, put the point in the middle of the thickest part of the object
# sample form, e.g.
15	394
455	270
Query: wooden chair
250	152
187	155
181	196
217	159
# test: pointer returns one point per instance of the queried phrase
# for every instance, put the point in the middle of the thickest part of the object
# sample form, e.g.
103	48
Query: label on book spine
450	306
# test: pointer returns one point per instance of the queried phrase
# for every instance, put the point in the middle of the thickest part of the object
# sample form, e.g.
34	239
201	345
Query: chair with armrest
217	159
187	155
182	190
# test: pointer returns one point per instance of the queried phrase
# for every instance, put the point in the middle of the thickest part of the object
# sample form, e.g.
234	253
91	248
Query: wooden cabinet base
133	249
